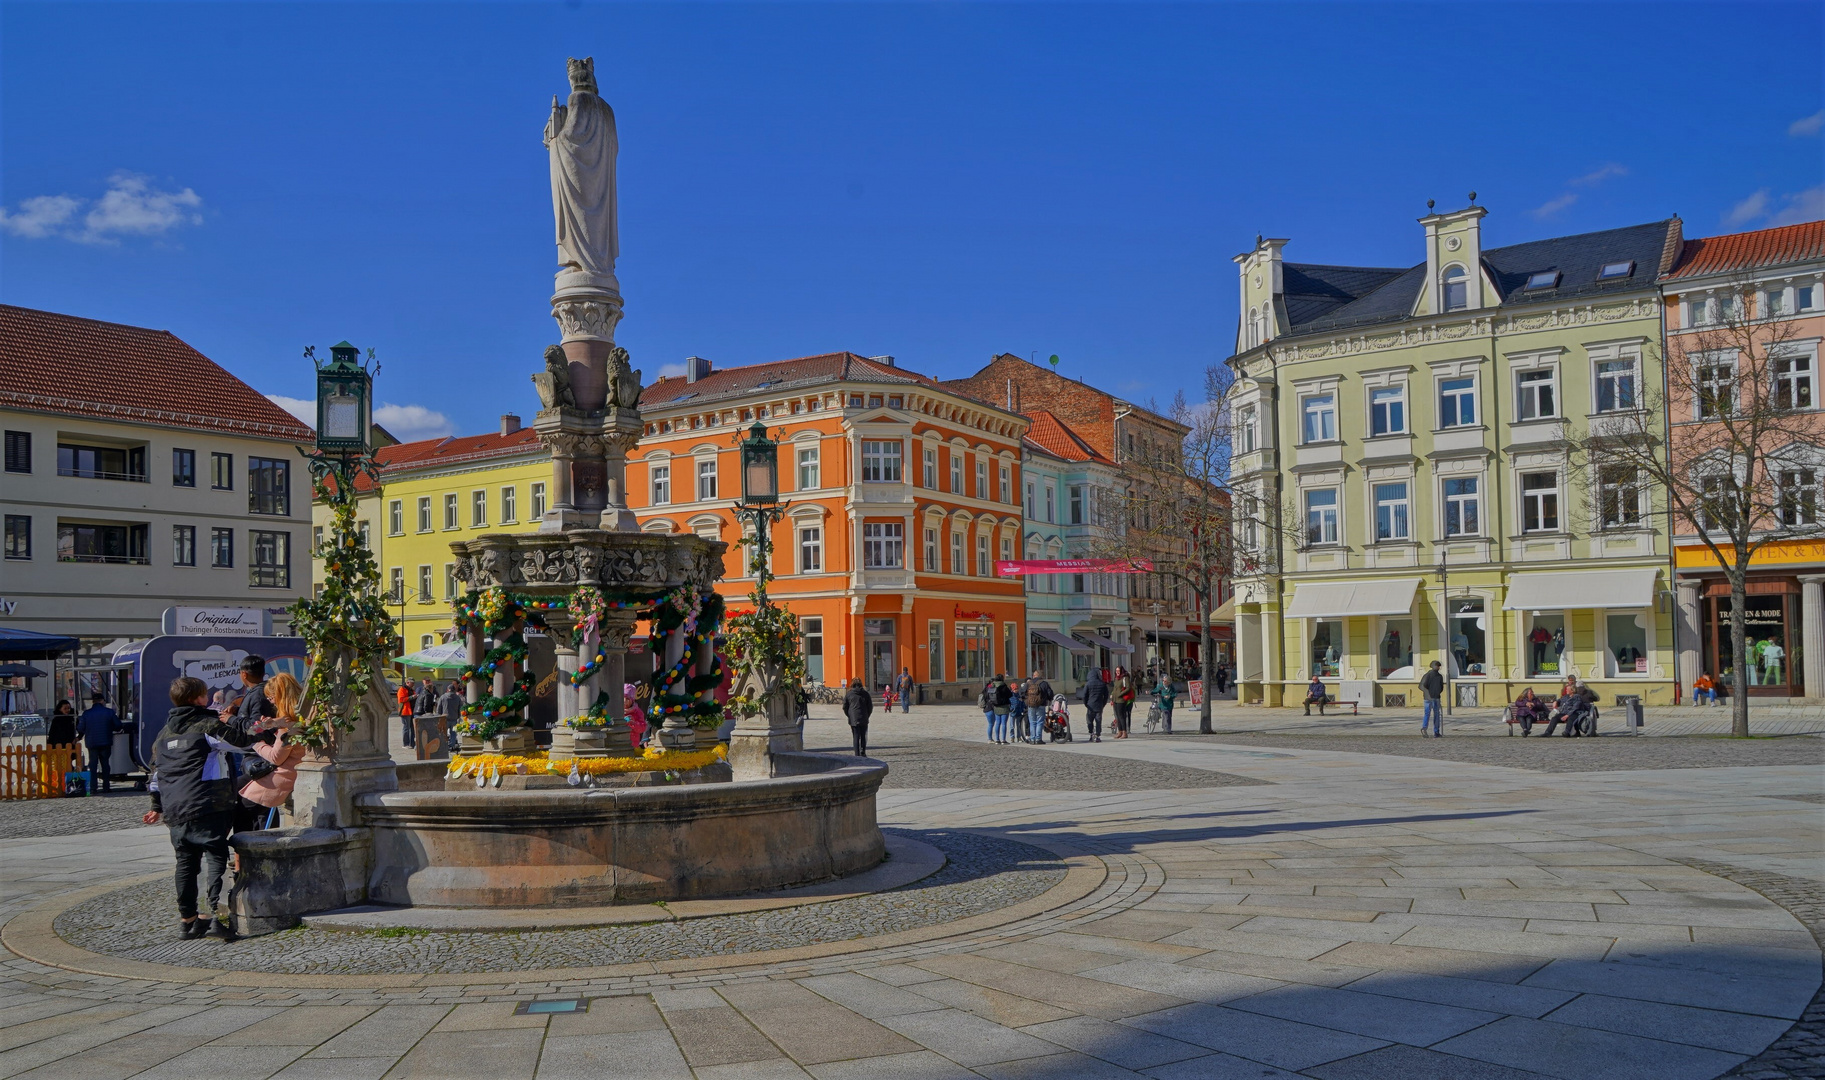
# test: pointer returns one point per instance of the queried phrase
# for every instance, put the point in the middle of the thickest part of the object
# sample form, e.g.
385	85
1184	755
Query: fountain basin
582	847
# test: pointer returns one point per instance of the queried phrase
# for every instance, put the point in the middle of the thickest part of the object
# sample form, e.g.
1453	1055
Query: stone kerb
572	847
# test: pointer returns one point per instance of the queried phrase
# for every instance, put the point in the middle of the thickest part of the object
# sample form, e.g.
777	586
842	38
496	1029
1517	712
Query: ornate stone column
676	733
1812	633
1688	637
617	629
620	434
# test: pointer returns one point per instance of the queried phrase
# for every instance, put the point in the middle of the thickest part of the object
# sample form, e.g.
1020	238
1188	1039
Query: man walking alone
1431	688
903	686
97	726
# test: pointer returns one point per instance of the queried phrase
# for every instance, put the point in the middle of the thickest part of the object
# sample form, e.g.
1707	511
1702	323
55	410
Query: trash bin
1631	712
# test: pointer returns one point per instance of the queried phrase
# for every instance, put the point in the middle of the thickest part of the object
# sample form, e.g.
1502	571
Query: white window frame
956	472
808	466
810	549
510	505
1803	480
1395	409
1473	500
1078	503
1326	517
706	479
931	550
1454	276
959	565
478	509
424	585
396	517
881	461
1530	383
1801	380
659	482
982	555
1539	502
452	511
424	514
1030	500
982	478
1248	429
538	501
1713	371
931	468
1458	396
1400	510
1006	489
1308	410
1598	377
1606	491
1051	503
1699	311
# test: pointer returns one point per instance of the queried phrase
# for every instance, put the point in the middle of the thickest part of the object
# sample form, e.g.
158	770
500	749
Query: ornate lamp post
760	500
345	417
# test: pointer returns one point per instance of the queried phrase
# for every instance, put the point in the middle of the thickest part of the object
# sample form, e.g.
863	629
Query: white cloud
670	371
1793	208
130	207
1807	125
305	411
409	423
1748	210
1601	174
1808	205
39	216
1551	207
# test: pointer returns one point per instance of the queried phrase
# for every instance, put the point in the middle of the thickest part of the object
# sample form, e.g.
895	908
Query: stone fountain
503	837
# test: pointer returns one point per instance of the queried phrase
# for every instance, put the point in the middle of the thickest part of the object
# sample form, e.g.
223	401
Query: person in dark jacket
97	726
62	731
858	706
1001	700
1432	689
193	794
450	707
1096	695
252	706
1038	693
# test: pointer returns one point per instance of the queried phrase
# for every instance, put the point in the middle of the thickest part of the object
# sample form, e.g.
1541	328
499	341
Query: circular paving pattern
982	874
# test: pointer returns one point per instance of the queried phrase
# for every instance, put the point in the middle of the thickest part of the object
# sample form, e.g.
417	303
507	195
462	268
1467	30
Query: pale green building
1403	457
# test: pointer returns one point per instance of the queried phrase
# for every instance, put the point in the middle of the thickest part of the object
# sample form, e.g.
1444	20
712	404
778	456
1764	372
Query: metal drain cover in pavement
532	1007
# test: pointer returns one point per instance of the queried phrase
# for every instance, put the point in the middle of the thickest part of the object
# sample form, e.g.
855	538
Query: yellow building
433	492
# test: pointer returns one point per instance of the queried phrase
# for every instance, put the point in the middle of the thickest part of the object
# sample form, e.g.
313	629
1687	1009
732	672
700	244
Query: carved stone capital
587	318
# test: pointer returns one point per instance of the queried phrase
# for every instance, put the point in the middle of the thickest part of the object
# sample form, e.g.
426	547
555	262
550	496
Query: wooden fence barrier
35	772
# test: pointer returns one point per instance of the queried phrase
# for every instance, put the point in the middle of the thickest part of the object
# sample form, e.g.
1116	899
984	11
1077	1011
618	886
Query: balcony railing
133	560
98	474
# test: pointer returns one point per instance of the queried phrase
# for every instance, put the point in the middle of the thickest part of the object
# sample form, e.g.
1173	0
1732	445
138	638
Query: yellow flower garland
653	759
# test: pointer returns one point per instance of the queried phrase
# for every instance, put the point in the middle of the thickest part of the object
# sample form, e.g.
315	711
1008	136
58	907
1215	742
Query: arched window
1254	327
1457	289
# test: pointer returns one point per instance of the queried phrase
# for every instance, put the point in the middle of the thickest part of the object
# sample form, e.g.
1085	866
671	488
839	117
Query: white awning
1570	590
1337	599
1117	647
1053	637
1225	613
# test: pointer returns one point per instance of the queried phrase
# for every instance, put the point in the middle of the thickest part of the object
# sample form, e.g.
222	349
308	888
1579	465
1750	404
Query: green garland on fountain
762	640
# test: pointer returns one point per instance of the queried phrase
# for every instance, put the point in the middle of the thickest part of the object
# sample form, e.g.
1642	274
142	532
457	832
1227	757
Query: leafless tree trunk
1738	462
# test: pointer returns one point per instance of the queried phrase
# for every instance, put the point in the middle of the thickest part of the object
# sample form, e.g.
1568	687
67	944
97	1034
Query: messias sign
217	622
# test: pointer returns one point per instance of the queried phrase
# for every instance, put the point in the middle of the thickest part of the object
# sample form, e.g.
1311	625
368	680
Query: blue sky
936	181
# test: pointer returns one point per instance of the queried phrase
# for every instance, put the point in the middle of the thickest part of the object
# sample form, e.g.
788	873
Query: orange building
899	495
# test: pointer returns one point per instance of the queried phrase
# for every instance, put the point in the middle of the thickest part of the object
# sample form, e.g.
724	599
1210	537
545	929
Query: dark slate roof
1576	258
1313	291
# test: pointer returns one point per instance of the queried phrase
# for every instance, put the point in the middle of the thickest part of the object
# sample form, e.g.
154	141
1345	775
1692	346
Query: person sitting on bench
1528	710
1314	695
1575	709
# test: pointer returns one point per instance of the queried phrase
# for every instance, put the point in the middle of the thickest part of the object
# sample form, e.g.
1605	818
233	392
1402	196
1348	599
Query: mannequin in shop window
1626	657
1772	657
1757	650
1460	648
1559	647
1539	639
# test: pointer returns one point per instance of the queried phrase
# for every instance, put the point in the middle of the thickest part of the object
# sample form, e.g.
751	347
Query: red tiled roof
803	371
1756	250
83	367
452	450
1050	434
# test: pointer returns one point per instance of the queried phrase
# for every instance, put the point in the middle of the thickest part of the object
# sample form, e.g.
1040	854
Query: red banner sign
1022	567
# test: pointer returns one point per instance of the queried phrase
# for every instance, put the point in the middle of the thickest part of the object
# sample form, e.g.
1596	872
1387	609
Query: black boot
196	928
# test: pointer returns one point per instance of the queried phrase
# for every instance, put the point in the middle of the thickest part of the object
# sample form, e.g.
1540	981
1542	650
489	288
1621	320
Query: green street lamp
760	501
345	401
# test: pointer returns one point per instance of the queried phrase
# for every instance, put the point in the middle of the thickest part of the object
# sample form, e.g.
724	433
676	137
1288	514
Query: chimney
509	423
695	367
888	360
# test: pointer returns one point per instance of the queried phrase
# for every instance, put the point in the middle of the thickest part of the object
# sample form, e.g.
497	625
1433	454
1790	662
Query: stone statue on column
589	390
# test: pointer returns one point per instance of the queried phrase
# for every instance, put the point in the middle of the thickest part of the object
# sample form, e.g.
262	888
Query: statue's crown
582	73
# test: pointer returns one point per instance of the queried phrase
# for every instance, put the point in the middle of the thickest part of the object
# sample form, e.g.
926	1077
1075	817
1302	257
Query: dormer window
1616	271
1457	289
1545	279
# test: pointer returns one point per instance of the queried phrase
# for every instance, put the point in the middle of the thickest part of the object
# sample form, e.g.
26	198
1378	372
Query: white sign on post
217	622
219	668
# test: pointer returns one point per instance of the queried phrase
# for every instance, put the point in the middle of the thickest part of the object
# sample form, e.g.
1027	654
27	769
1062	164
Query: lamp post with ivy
763	644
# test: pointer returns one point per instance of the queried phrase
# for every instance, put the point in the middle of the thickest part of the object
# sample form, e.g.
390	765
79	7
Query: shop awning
1337	599
1569	590
1225	613
1121	648
1053	637
1170	635
31	645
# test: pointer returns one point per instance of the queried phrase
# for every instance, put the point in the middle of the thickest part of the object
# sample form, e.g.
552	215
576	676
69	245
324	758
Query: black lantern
759	468
345	402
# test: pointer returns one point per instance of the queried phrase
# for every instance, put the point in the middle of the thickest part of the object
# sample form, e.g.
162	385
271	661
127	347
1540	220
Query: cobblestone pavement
924	763
982	873
72	817
1604	754
1358	915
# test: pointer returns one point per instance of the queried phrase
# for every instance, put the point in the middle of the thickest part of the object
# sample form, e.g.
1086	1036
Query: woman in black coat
858	706
1096	695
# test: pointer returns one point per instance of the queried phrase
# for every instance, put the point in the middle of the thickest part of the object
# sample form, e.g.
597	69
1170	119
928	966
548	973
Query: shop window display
1546	646
1469	637
1628	642
1327	648
1394	652
1771	633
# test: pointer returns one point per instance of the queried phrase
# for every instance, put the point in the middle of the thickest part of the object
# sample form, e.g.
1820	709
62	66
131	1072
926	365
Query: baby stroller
1057	723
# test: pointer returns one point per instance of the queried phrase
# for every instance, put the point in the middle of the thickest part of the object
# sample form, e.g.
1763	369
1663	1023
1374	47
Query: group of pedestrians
1575	708
425	699
219	768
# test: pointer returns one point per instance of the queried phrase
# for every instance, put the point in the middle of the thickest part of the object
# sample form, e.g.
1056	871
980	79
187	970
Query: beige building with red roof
1778	275
139	475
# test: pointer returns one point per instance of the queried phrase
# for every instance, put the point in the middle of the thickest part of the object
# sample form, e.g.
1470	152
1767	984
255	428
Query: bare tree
1738	463
1178	512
